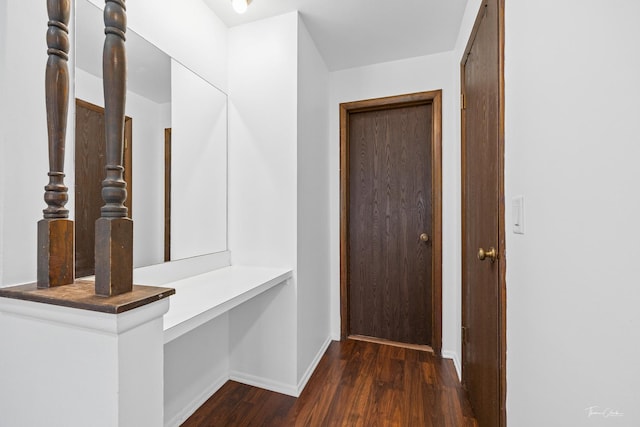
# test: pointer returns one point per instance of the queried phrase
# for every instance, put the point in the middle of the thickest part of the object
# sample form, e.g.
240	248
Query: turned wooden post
55	231
114	231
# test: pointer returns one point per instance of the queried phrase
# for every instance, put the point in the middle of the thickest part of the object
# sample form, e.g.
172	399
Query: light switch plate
517	204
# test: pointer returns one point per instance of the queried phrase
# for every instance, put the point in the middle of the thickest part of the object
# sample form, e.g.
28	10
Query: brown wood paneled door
90	164
483	294
390	220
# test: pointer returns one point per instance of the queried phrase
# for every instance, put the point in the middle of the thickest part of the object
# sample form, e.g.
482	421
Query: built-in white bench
207	287
201	298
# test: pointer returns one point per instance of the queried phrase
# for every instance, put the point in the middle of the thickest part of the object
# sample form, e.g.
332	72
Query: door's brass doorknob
491	254
424	237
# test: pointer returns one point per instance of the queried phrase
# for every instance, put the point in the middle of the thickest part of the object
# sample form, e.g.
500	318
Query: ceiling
353	33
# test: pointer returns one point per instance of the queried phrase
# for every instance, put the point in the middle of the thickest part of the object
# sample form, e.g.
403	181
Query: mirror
178	123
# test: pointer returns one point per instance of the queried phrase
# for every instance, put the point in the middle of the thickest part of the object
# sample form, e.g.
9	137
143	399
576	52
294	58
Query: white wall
148	122
572	150
262	193
394	78
313	202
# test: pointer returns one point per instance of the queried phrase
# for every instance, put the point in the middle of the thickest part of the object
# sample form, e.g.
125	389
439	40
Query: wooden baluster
55	231
114	231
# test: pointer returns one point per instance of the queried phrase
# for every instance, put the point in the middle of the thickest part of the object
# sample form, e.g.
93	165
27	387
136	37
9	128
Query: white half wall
72	367
313	201
572	151
394	78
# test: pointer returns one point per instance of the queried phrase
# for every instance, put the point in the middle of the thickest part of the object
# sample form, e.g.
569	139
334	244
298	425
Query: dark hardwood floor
356	383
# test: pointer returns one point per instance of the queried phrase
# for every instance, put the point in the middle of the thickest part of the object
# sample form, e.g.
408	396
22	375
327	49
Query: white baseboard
186	412
314	364
265	383
280	387
456	361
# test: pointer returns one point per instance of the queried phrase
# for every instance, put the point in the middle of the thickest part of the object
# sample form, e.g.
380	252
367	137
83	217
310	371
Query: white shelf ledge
201	298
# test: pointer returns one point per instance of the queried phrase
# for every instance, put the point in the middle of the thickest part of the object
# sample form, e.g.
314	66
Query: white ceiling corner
353	33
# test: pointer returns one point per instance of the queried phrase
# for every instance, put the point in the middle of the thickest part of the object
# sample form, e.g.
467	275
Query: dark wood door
482	214
390	207
90	161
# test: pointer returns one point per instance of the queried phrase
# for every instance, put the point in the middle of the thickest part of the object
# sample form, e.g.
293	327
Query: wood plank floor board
356	383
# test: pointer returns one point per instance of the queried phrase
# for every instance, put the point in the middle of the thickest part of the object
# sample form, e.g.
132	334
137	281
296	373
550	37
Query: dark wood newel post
55	231
114	231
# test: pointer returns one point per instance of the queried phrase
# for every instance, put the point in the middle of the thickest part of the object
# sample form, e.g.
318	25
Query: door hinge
463	102
464	334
